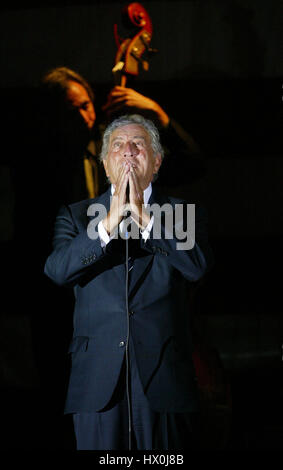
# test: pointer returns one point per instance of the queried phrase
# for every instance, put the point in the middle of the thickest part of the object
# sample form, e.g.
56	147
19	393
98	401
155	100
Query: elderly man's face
79	99
131	143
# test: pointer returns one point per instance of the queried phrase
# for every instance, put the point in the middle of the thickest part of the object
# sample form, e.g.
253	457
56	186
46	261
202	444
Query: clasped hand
119	203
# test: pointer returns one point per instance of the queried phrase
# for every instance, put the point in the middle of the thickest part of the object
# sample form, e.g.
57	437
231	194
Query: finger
122	89
135	189
136	181
131	186
117	99
121	196
114	105
126	172
121	92
123	187
121	176
116	89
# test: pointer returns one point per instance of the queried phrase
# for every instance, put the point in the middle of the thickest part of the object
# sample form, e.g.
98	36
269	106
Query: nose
130	149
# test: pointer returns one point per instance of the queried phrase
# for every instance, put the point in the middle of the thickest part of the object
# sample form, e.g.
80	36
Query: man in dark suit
132	382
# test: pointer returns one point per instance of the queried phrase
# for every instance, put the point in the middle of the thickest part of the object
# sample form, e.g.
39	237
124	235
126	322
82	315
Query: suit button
131	313
121	344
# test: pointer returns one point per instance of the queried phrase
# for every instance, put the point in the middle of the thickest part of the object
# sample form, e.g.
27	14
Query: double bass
133	52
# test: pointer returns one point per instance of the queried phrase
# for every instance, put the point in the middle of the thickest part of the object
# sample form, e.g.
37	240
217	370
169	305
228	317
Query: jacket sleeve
74	253
192	256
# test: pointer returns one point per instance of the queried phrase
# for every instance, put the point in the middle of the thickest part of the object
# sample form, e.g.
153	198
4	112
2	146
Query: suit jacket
159	312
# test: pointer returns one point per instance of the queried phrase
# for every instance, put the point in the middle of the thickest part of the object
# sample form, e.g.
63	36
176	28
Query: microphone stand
128	371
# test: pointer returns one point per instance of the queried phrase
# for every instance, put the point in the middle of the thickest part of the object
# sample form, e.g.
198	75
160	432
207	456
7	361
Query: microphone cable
128	372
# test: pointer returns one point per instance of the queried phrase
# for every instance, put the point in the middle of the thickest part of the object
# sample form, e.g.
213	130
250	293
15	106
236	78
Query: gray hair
125	120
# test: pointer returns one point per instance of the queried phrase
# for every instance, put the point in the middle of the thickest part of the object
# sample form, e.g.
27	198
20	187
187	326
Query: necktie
128	229
133	234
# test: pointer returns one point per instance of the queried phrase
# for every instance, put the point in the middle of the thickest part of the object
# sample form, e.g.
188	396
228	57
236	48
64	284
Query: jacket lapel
104	200
118	268
141	268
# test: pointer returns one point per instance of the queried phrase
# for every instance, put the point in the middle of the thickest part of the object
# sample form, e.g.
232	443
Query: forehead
130	131
76	93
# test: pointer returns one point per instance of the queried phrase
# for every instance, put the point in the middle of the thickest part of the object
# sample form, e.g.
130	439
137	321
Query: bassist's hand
121	98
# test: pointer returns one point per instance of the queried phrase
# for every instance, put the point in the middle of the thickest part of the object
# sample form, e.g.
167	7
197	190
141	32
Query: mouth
131	163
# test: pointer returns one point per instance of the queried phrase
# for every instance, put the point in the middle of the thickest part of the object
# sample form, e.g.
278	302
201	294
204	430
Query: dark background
218	73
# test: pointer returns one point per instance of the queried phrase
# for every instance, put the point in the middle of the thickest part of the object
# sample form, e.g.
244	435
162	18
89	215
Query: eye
139	143
85	106
117	144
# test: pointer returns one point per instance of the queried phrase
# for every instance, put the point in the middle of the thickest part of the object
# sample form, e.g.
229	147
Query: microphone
128	212
127	193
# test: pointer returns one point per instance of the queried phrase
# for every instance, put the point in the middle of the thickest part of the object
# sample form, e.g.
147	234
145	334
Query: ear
157	163
105	167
